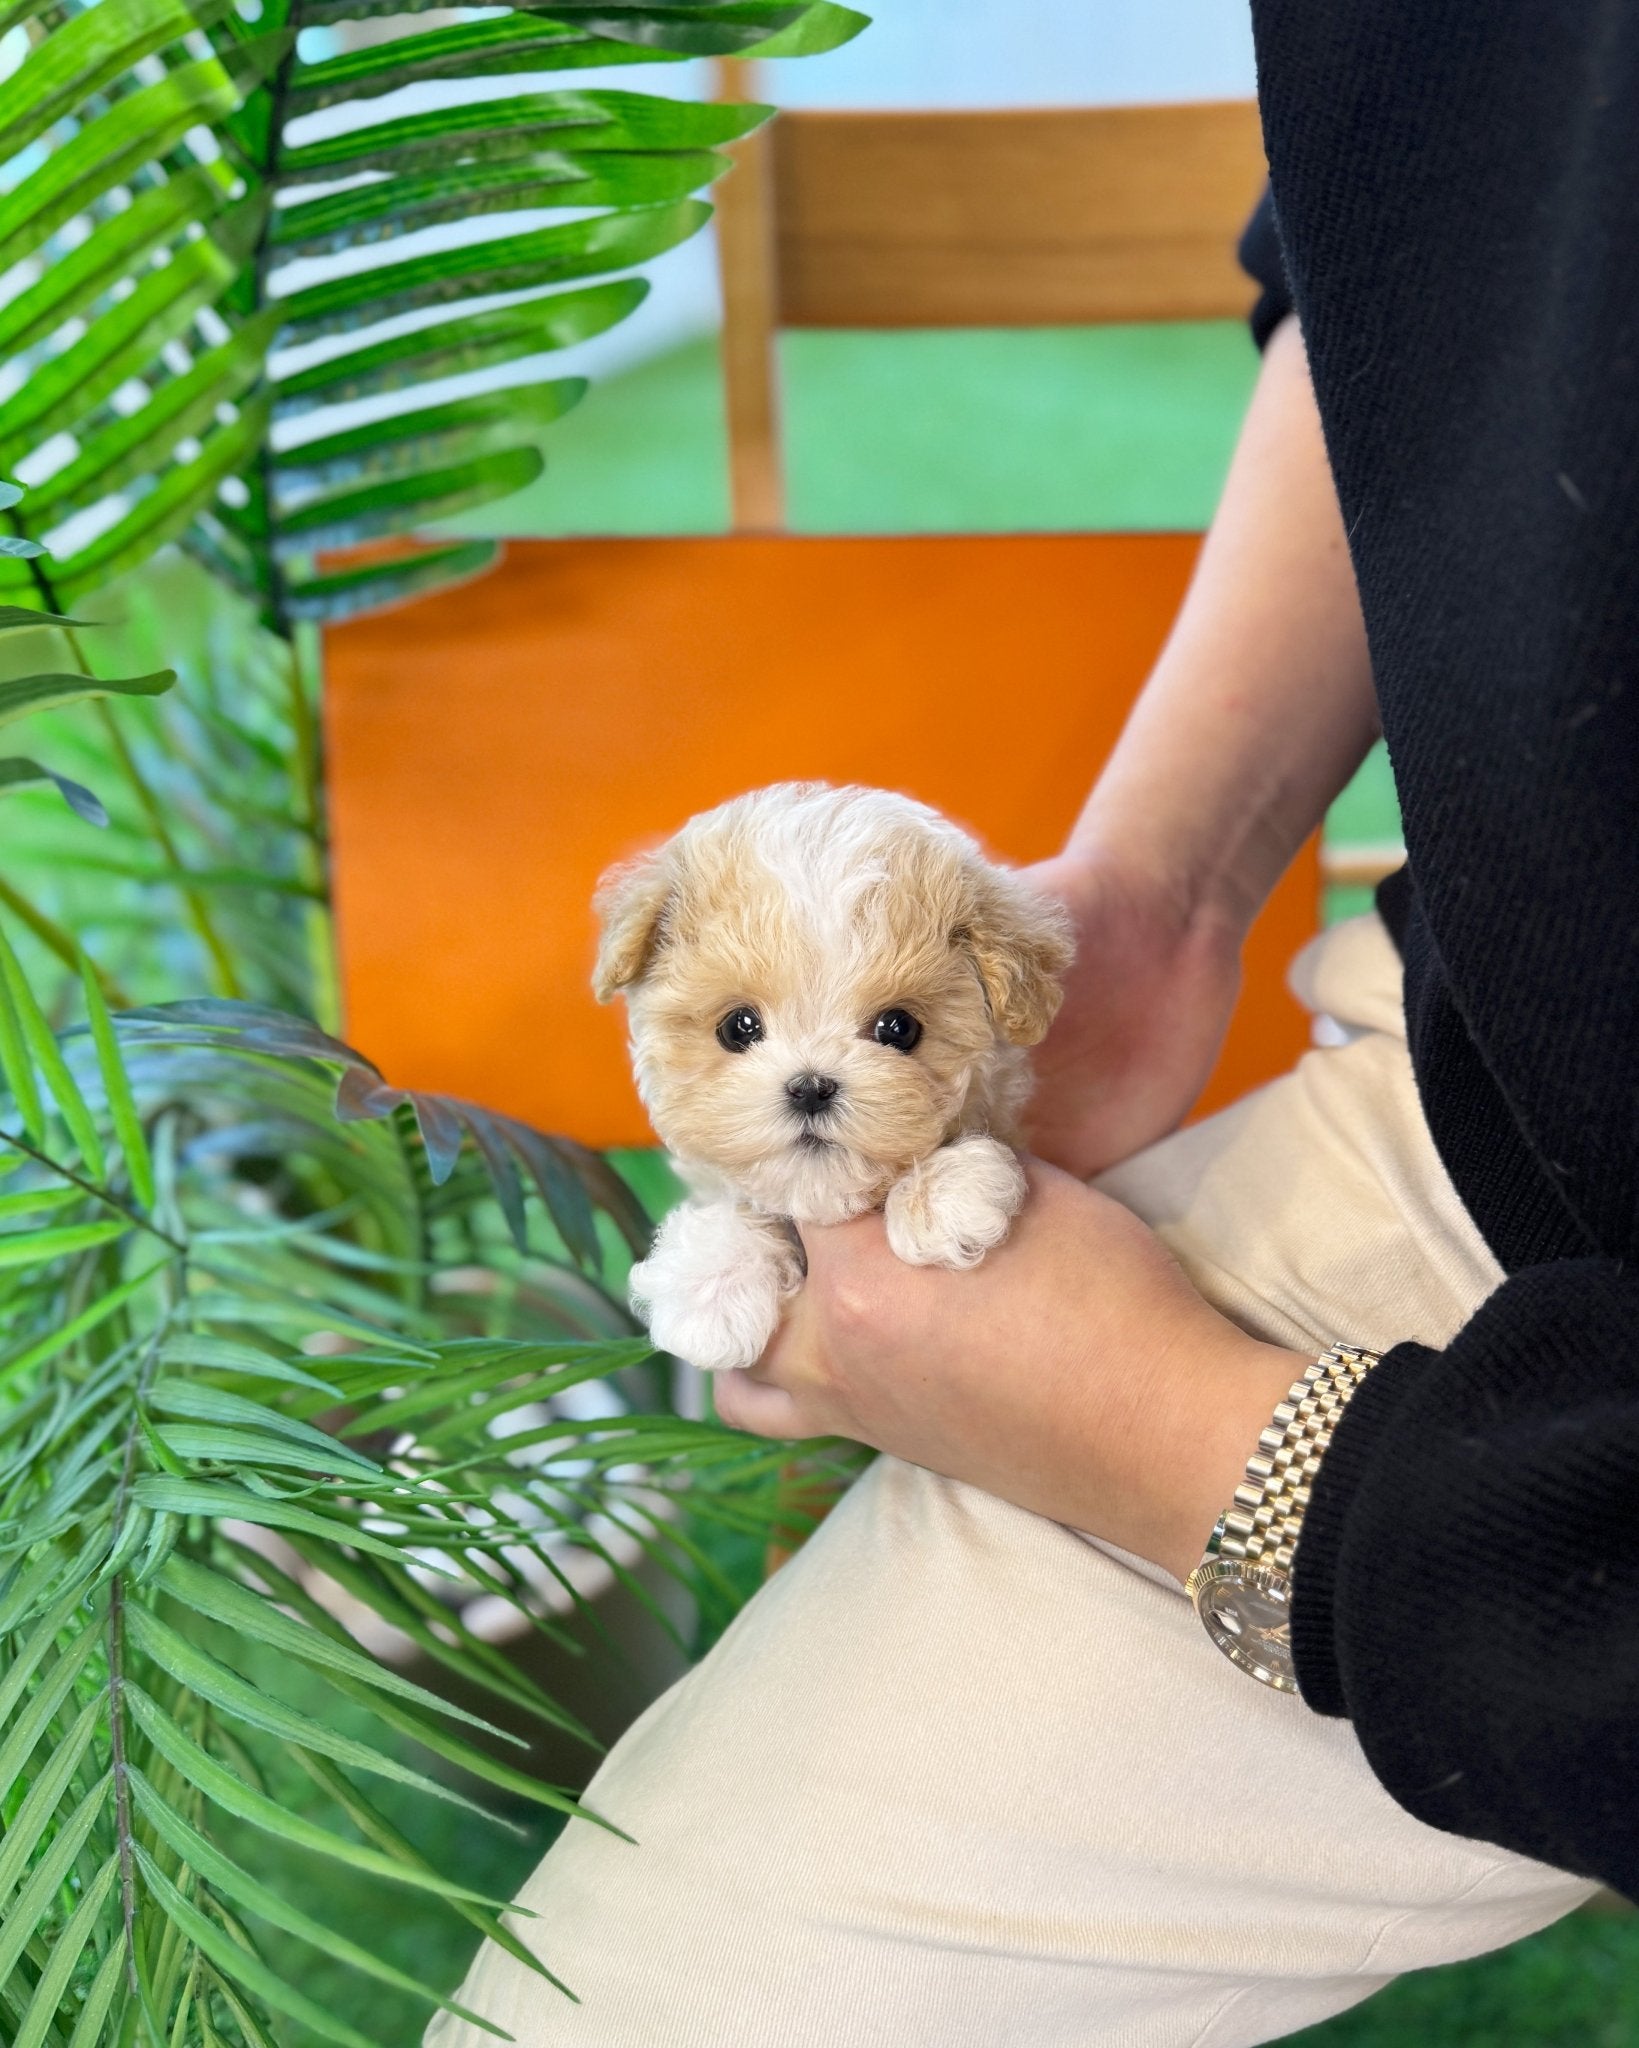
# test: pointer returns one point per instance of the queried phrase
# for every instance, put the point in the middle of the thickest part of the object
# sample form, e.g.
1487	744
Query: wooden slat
1014	218
745	269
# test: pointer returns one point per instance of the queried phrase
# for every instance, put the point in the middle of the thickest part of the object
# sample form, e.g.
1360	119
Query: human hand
1146	1004
1074	1371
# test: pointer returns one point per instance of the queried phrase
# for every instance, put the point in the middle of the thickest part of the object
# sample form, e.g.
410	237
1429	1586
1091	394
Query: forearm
1261	705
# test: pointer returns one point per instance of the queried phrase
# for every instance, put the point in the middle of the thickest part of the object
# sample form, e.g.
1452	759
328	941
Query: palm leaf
716	28
229	1881
371	213
25	694
42	1047
207	1592
132	133
375	1827
208	1678
581	248
22	618
94	119
89	53
450	348
141	378
230	1792
18	1068
434	433
390	504
343	594
517	123
40	2017
25	1726
127	339
18	772
241	1962
39	1809
100	2000
475	49
70	285
133	445
122	1109
166	510
200	1190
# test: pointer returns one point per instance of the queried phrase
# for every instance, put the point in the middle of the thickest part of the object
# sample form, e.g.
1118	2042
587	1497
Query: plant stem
227	978
116	1675
305	736
324	989
277	89
312	858
122	1787
90	1187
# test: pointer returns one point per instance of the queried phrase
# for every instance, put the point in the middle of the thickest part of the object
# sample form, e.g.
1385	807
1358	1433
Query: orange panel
490	753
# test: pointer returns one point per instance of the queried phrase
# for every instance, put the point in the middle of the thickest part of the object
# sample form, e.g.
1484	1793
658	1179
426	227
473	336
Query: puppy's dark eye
739	1029
897	1028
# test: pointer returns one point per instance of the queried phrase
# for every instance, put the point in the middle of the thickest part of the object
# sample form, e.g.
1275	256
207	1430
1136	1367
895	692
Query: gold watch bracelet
1265	1519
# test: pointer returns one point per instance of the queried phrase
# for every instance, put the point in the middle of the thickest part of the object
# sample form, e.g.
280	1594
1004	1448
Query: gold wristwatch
1242	1588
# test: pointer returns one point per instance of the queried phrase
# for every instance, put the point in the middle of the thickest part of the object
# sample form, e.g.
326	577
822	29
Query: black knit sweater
1456	222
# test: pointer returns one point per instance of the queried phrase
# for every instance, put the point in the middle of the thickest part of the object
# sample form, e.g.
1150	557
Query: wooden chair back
1030	217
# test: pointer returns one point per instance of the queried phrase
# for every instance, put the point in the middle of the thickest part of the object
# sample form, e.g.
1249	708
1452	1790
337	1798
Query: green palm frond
232	1374
279	1341
21	695
249	281
223	239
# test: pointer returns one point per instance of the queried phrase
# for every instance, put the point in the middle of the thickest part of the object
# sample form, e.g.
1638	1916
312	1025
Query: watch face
1247	1612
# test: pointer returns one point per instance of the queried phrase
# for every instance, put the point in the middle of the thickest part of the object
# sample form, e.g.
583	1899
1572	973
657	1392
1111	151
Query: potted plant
284	1343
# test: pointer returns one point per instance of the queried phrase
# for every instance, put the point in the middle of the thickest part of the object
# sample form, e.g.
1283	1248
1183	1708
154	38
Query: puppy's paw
712	1289
955	1205
712	1334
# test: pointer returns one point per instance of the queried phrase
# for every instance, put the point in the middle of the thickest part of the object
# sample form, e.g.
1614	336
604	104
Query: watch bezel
1267	1579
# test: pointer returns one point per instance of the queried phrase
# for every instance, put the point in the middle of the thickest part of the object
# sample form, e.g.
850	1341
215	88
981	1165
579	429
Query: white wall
1030	53
965	53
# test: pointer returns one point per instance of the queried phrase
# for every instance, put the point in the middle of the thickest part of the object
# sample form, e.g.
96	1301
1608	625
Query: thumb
745	1403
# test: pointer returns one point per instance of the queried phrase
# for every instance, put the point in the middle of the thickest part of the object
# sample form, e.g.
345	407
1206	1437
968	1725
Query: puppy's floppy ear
1020	942
631	901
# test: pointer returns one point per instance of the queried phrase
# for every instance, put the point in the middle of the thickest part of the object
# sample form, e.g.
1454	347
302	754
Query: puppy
830	993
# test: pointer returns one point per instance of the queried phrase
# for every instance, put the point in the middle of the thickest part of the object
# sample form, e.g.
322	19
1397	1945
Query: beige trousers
960	1777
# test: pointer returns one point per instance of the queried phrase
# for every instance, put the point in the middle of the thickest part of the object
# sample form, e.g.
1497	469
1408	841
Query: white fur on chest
716	1282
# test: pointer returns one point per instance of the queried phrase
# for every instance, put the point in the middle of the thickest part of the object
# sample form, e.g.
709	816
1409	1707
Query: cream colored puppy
830	993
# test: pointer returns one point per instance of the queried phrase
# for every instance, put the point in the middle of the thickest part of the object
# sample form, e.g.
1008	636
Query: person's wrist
1189	897
1220	1403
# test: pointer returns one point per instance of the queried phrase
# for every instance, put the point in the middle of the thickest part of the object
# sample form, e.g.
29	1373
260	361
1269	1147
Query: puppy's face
820	983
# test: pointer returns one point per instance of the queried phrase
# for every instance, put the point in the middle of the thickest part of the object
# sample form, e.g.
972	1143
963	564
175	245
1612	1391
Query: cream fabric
962	1778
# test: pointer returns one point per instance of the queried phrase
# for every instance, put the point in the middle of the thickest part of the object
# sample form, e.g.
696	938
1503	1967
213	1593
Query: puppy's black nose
810	1092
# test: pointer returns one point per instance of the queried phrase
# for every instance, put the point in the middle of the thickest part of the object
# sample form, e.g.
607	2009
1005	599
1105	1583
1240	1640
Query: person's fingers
831	1244
784	1351
759	1409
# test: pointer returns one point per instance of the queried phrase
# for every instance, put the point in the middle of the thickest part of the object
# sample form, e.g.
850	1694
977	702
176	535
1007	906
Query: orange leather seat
491	754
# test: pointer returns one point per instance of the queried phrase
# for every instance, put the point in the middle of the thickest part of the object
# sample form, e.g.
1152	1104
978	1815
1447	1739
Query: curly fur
820	908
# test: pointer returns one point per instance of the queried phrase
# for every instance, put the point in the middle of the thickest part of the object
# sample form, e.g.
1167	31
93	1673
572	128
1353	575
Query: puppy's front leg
955	1205
712	1288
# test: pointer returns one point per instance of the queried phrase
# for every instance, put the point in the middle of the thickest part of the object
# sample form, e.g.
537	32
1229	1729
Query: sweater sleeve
1467	1586
1261	259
